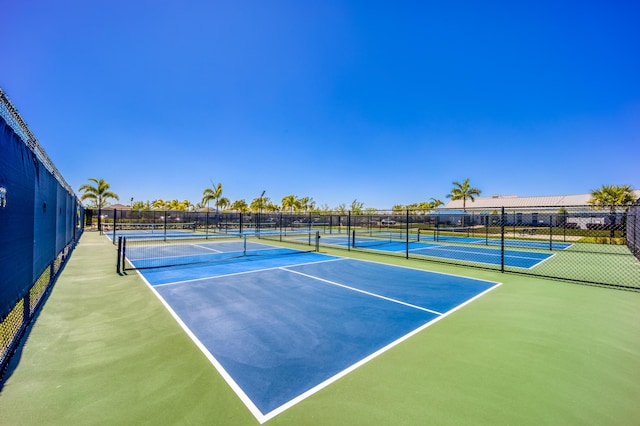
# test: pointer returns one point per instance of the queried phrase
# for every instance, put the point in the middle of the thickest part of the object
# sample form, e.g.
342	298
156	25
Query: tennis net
450	233
140	253
147	228
374	238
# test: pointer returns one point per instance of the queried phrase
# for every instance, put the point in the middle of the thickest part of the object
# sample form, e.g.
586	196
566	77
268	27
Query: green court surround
104	350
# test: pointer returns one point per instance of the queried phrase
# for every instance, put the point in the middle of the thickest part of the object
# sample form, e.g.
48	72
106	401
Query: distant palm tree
159	204
356	206
259	203
435	203
240	206
306	203
98	194
212	194
223	203
612	197
463	191
290	202
272	207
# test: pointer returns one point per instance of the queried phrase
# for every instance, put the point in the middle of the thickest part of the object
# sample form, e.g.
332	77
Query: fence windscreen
40	221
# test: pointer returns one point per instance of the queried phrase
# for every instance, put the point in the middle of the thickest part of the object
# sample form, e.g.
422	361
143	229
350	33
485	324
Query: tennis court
456	248
282	324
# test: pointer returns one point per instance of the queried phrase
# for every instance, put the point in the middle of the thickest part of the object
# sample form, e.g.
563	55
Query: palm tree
159	204
290	202
259	203
356	206
397	208
98	194
306	203
435	203
613	197
240	206
272	207
140	205
212	194
223	203
463	191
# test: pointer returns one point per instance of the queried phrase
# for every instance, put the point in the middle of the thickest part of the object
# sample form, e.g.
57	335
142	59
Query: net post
317	241
407	237
206	224
124	254
349	231
165	225
502	222
550	232
119	254
115	220
244	244
486	232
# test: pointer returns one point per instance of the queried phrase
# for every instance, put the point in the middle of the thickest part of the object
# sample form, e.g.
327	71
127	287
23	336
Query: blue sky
384	102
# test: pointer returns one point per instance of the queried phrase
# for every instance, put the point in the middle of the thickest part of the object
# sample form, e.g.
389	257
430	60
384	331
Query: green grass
105	351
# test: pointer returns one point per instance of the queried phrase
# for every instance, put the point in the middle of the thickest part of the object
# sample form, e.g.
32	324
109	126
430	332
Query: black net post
407	229
502	223
349	230
551	232
118	260
165	225
486	232
317	241
115	222
206	224
124	254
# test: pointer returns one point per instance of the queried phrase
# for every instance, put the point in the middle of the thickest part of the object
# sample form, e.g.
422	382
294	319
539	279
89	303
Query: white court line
213	277
208	248
255	411
380	351
362	291
511	256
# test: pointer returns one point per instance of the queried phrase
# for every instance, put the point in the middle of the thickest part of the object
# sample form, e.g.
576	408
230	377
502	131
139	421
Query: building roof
497	201
117	207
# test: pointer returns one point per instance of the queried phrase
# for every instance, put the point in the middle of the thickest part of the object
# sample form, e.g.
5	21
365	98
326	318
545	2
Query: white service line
285	268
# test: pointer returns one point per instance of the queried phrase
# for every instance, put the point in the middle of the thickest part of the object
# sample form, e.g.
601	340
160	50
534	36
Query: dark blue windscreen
18	167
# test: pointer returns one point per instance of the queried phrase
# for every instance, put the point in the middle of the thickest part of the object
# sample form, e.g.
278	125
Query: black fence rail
581	244
40	222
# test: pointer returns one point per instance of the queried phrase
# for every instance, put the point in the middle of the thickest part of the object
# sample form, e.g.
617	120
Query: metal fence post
502	223
349	230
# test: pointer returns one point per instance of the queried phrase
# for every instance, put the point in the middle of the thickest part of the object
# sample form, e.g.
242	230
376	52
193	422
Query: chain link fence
583	244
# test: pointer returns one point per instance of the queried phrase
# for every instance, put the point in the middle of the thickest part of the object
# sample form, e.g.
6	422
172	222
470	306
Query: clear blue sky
384	102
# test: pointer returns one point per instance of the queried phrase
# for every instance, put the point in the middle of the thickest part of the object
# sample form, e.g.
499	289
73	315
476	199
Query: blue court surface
279	329
465	252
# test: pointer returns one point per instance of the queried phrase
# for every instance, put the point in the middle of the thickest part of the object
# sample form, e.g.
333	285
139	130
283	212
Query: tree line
98	194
